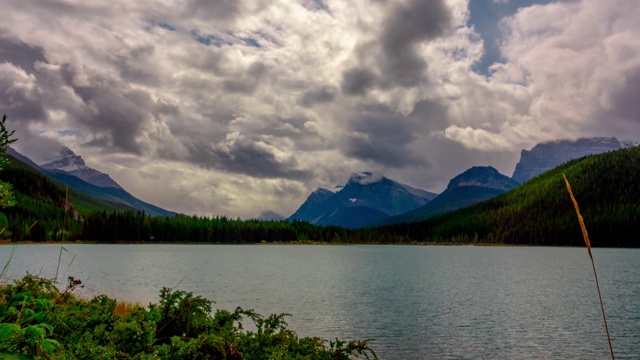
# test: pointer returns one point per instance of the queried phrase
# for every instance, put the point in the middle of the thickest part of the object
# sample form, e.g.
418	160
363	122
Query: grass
585	234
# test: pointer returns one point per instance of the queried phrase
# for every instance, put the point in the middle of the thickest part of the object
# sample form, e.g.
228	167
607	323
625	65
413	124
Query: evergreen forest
538	212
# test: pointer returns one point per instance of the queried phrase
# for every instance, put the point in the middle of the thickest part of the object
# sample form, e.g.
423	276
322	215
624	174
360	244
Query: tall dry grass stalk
585	235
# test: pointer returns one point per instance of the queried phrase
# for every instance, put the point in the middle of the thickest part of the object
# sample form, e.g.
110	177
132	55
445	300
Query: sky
232	107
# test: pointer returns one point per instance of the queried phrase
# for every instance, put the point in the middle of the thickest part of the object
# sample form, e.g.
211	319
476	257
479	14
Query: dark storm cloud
622	116
385	137
118	114
397	62
19	96
22	103
245	156
248	81
382	136
324	94
626	101
417	21
431	116
20	54
121	115
357	81
135	65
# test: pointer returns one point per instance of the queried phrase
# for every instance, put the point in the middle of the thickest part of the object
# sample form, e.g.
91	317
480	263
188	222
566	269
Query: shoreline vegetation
39	321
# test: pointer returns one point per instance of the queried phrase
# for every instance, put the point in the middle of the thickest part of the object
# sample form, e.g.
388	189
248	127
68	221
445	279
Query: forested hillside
540	211
39	215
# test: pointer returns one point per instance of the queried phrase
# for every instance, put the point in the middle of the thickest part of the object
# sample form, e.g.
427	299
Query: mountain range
70	169
475	185
540	211
70	163
365	199
546	156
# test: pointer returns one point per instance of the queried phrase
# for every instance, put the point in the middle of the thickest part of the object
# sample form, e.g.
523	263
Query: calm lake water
417	302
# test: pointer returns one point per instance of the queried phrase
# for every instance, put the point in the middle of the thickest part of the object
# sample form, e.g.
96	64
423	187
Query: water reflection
417	302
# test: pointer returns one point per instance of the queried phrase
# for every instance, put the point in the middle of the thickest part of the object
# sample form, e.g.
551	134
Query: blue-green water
417	302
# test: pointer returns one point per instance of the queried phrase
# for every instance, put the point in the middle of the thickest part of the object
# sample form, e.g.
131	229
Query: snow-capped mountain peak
367	197
73	164
67	162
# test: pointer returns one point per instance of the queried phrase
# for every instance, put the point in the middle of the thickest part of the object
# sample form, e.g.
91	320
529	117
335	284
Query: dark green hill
41	201
112	195
540	212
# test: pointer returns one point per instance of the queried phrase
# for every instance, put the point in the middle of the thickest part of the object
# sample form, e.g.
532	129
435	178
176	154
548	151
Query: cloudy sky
237	106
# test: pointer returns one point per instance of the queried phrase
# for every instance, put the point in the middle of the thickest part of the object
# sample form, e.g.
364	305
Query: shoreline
306	242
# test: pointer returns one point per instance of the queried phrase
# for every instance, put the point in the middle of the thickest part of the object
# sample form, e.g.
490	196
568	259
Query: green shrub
38	321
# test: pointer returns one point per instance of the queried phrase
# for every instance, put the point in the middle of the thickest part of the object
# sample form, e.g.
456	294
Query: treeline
39	213
137	227
540	212
44	210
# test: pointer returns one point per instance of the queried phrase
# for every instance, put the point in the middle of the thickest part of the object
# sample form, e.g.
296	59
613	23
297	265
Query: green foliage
37	321
540	212
139	227
6	191
23	327
40	215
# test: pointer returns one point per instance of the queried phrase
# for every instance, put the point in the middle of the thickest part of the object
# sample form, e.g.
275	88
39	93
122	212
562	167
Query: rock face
546	156
475	185
365	199
73	164
69	169
483	176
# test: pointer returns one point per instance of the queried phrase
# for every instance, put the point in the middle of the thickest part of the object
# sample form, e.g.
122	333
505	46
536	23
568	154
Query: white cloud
233	107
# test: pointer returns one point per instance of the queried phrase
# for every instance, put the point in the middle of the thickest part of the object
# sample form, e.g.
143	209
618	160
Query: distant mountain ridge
540	211
71	170
546	156
73	164
25	160
474	185
365	199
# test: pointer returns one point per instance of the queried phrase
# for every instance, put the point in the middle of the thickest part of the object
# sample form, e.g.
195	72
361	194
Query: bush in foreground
38	321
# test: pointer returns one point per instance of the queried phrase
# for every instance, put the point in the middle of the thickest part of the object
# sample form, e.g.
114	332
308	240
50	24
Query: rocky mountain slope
73	164
69	169
540	212
475	185
365	199
546	156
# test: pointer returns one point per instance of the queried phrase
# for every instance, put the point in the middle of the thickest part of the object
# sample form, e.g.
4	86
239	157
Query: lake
441	302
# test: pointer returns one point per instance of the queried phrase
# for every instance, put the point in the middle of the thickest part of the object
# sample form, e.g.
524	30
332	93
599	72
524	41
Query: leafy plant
38	321
7	199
